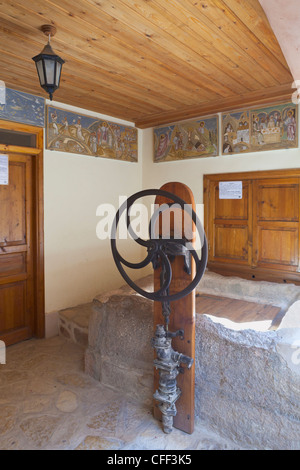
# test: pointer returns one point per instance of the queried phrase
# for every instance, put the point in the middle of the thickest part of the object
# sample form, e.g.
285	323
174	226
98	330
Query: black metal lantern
48	64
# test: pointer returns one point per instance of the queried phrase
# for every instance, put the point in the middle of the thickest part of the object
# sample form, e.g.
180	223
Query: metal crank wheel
161	250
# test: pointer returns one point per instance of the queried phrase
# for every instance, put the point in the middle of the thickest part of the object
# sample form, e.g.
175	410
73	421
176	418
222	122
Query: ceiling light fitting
48	64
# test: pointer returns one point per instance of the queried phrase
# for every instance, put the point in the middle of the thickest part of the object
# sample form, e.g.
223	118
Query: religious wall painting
185	140
236	132
76	133
274	127
23	107
269	128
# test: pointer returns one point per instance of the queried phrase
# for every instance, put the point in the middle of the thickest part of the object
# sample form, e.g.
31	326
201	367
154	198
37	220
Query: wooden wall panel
229	226
231	243
12	299
277	201
12	264
278	246
256	237
234	209
276	219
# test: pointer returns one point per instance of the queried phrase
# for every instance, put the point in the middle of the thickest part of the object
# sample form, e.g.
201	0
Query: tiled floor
48	402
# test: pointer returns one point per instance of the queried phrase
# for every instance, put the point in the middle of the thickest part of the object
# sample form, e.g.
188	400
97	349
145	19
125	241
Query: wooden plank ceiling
148	61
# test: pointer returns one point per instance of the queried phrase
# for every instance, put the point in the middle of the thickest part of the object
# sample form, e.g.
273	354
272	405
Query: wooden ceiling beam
231	25
280	93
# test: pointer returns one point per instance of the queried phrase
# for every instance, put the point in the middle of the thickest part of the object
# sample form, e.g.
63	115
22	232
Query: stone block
244	388
73	323
271	293
247	386
288	345
137	382
119	352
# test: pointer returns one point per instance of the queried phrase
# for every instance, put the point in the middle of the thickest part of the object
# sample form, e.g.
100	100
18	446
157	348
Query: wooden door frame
38	202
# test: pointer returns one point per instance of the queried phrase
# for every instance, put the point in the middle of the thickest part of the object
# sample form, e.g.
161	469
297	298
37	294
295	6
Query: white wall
78	265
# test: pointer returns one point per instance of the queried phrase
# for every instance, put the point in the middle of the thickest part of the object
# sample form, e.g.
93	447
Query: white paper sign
230	190
2	93
3	169
2	353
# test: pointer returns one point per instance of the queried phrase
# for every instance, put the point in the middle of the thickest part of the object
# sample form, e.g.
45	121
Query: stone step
73	323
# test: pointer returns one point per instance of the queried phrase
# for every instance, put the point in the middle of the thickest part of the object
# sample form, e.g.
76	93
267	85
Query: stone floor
47	402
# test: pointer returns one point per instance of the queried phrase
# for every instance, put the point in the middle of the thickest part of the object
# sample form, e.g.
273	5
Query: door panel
275	223
229	232
278	246
12	300
12	264
277	202
232	209
13	205
16	258
231	242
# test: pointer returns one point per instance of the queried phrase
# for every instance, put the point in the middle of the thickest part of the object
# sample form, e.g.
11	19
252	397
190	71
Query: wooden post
182	317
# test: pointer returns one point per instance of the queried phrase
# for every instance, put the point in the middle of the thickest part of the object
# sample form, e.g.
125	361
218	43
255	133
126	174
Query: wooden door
17	301
276	224
229	229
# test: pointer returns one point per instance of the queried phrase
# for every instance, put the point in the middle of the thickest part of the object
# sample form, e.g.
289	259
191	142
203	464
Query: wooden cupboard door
276	224
16	258
229	231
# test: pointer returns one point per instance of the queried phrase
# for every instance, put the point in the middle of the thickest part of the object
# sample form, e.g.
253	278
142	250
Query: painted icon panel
85	135
185	140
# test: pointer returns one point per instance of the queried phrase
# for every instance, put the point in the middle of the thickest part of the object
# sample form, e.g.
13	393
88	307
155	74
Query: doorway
22	313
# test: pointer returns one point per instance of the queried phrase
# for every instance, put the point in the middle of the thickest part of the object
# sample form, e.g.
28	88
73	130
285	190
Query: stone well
247	378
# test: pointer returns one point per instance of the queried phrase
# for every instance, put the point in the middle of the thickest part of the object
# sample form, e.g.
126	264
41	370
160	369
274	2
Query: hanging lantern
48	64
